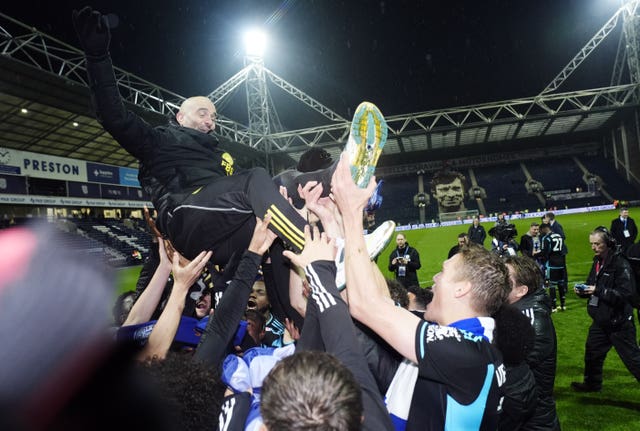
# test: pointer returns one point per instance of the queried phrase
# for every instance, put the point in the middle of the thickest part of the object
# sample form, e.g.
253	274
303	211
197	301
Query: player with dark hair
528	296
419	298
326	394
463	241
514	338
555	265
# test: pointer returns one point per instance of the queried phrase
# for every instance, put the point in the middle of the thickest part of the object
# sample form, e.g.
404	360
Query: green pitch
126	278
617	407
434	244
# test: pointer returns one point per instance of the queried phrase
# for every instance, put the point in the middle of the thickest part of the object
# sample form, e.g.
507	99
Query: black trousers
292	178
599	342
557	278
221	216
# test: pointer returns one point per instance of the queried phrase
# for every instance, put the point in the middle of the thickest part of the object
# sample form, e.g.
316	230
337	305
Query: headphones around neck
606	236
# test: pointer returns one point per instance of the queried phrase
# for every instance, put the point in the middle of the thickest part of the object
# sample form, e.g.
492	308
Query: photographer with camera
404	261
503	242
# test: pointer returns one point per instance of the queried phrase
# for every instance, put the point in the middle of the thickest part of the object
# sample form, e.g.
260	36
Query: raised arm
223	324
146	304
395	325
128	129
165	329
336	327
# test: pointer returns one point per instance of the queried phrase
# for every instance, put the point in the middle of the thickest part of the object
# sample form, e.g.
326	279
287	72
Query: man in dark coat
624	230
528	295
404	261
609	288
202	201
476	232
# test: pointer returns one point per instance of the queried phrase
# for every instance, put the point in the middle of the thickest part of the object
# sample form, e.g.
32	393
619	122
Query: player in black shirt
553	255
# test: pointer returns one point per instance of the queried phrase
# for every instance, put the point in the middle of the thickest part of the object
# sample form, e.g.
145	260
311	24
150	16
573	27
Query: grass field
617	407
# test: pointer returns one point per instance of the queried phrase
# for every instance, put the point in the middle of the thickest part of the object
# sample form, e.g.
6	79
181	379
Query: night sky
405	56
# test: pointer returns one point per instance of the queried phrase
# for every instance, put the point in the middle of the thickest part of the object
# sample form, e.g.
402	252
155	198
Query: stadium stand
117	242
398	193
613	182
557	174
505	188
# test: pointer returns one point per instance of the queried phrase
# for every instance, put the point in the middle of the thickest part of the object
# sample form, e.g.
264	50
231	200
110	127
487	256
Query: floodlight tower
257	95
631	29
628	44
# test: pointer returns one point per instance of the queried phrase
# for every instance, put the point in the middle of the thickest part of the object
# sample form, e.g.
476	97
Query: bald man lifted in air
203	201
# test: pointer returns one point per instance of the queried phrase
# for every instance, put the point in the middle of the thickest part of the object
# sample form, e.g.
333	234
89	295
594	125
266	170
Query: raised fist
93	32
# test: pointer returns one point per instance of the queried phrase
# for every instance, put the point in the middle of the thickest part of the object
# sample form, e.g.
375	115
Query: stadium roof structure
45	107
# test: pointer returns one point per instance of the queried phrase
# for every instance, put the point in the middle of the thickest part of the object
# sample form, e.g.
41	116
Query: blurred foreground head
60	369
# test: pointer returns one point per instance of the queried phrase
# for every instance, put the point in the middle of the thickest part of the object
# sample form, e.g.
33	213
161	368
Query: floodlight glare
255	42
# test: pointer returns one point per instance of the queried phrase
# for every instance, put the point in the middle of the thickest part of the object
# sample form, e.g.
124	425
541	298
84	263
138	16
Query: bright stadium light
255	42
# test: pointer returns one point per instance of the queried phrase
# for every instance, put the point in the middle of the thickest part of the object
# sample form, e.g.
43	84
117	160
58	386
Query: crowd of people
263	308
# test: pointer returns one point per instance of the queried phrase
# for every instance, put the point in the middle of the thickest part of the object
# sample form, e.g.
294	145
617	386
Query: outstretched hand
93	32
350	198
186	275
323	207
316	247
262	237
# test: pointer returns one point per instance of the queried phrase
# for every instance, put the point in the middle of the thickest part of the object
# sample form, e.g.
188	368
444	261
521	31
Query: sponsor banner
41	166
535	214
13	184
113	192
14	170
451	223
99	173
83	190
36	165
77	202
568	196
557	192
128	177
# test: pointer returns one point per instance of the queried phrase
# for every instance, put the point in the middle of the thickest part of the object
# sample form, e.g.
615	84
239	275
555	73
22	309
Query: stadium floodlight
255	42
